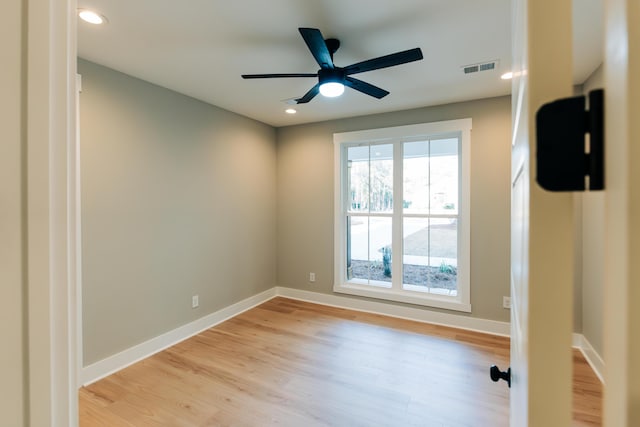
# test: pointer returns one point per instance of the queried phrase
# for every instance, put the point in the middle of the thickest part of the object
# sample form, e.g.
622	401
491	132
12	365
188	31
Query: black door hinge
564	159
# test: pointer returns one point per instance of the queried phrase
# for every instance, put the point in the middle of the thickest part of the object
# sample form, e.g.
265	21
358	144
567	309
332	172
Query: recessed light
507	76
290	111
91	17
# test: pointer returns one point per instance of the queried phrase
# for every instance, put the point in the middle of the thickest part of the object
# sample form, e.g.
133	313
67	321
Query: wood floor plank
293	363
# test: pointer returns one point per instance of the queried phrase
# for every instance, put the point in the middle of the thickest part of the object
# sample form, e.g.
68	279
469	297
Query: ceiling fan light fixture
331	82
331	89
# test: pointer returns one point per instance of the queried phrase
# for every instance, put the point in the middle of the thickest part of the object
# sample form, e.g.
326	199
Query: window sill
418	298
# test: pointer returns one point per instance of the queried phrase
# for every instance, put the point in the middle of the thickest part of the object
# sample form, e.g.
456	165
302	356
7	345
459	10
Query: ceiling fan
333	79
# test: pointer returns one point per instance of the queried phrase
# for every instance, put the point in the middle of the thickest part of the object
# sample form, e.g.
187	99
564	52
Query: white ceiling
201	47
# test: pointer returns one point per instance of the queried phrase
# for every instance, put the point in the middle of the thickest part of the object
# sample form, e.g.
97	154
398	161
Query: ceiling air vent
484	66
471	69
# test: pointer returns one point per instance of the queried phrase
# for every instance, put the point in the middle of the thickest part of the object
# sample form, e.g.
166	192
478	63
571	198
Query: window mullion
396	230
369	186
429	188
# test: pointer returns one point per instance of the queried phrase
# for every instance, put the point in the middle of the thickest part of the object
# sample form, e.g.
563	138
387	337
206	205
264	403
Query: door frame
622	201
542	224
51	307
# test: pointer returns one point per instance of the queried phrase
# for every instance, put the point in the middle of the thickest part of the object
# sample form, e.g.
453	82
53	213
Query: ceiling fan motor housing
327	75
332	45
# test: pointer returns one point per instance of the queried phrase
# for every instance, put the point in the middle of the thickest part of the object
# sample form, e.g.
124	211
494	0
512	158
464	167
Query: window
402	214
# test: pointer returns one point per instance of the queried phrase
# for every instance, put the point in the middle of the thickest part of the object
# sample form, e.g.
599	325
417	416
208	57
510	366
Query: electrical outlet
506	302
195	301
312	277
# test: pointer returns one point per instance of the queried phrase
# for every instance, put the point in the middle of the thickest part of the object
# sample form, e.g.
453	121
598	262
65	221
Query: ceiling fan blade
365	87
275	76
316	44
309	95
385	61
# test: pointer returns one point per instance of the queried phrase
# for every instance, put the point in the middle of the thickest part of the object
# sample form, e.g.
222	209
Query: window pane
415	197
369	249
431	176
381	178
370	172
357	248
380	248
358	175
444	176
430	255
415	267
443	259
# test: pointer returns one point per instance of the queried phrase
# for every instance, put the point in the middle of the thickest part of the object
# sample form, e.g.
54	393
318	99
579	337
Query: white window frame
457	128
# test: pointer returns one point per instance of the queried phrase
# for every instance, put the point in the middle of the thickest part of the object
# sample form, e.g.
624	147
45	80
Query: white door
622	213
541	224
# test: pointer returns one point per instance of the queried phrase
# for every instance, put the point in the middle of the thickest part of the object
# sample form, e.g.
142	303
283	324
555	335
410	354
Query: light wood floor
292	363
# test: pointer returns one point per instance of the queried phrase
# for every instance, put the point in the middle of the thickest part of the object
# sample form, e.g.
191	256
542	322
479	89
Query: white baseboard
590	354
96	371
417	314
112	364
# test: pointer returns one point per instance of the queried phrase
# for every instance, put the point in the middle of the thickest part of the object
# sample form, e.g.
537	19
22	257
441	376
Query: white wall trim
590	354
493	327
112	364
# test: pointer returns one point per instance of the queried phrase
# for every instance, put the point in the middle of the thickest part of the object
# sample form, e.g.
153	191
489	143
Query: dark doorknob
497	374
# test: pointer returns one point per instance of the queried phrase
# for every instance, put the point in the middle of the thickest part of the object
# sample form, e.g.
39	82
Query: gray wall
13	383
593	243
178	198
305	197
